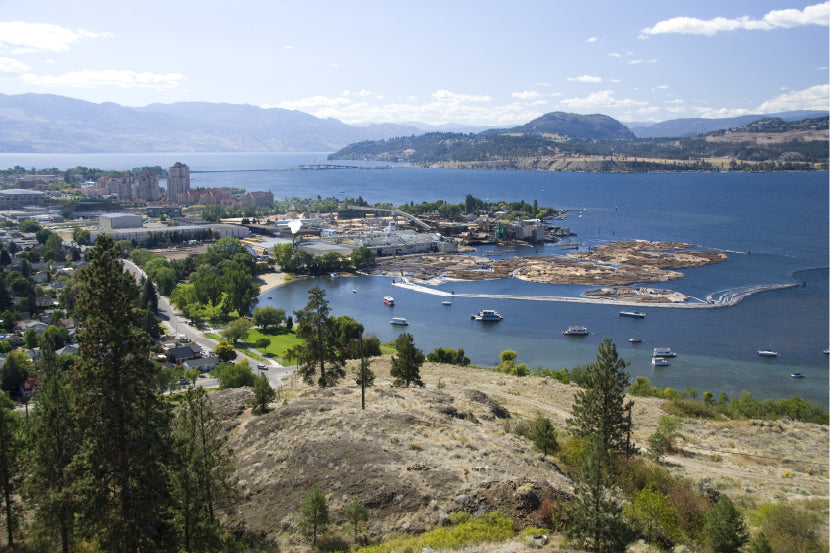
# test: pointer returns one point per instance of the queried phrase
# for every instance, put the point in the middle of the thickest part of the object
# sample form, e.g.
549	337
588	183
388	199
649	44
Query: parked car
261	366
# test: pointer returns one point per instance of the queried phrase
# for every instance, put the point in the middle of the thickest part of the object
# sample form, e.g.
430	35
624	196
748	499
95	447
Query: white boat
635	340
635	314
487	315
660	362
798	375
388	300
575	331
400	321
663	352
446	302
768	353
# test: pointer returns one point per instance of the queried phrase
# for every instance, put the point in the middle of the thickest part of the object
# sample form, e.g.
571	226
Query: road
179	326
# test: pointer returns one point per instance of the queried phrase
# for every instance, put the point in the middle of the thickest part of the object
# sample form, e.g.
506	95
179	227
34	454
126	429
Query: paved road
179	326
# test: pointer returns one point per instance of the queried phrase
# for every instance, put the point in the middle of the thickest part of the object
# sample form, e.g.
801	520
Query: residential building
256	199
178	181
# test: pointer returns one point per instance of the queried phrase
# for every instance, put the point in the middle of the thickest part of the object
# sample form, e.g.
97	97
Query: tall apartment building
129	187
178	181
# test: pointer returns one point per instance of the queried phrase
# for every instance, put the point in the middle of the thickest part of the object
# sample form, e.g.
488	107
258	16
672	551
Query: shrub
690	408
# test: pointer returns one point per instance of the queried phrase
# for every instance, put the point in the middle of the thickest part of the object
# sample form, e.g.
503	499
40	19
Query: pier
723	298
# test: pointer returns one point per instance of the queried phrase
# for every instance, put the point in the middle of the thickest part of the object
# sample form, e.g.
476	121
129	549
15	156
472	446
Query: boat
768	353
388	300
635	314
663	352
635	340
660	362
400	321
575	331
798	375
446	302
487	315
354	290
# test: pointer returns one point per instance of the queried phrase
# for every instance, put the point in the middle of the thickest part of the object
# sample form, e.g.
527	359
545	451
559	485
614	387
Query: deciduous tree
651	514
236	329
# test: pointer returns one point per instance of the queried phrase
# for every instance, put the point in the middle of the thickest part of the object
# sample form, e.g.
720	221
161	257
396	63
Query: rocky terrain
415	455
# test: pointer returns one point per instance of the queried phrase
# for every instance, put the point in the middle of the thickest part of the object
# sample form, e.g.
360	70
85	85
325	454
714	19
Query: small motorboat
354	290
400	321
635	314
768	353
660	362
575	331
635	340
798	375
446	302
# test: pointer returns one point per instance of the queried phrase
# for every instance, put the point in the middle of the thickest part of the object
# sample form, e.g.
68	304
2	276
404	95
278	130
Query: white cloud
288	47
91	79
601	99
662	86
586	79
675	101
816	97
635	62
818	14
526	95
20	37
615	80
615	55
544	84
365	92
592	39
442	106
720	113
13	66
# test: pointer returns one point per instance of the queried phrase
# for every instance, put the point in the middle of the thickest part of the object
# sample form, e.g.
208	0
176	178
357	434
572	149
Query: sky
482	62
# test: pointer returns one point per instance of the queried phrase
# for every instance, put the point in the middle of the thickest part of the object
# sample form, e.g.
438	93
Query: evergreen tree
15	370
598	408
315	514
263	394
406	365
544	436
53	442
319	346
356	513
149	297
123	423
597	521
202	476
723	527
9	467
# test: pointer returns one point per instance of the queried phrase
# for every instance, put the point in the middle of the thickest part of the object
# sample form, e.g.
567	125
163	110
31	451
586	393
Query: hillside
699	125
798	145
50	123
571	125
416	455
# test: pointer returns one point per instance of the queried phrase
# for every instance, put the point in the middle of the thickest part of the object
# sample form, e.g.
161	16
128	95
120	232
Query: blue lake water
773	226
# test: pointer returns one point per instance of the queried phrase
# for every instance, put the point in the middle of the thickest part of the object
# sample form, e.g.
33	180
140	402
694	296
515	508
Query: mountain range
52	123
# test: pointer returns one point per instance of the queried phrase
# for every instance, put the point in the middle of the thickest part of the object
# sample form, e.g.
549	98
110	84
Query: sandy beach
269	281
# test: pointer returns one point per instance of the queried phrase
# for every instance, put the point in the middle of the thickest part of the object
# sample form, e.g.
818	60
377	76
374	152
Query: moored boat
446	302
575	331
798	375
635	314
487	315
660	362
635	340
388	300
400	321
663	352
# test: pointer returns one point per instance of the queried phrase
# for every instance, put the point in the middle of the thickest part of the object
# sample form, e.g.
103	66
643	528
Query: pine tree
263	394
315	514
544	436
202	474
53	440
356	513
123	423
406	365
723	527
9	466
319	346
598	408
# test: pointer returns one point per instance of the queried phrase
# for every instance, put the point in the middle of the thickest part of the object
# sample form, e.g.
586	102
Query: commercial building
18	197
119	221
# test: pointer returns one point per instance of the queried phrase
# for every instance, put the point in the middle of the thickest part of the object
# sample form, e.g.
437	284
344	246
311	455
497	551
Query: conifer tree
124	425
406	364
724	529
319	347
9	466
202	474
315	514
53	442
598	408
263	394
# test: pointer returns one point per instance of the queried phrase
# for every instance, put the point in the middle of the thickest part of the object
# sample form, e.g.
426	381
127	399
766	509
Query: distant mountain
696	126
572	125
50	123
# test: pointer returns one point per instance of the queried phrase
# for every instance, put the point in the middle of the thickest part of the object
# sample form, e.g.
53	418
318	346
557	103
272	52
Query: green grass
489	527
280	341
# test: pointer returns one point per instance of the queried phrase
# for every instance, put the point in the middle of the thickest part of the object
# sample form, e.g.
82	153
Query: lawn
280	340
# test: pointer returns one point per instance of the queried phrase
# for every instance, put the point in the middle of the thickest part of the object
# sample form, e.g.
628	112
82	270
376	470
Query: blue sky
472	62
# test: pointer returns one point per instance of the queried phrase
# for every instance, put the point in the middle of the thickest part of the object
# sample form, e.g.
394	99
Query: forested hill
766	145
571	125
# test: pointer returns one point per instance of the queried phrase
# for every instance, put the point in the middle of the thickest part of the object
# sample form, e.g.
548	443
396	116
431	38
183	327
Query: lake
773	227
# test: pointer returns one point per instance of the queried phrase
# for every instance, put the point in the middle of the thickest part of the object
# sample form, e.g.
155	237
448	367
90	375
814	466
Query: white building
119	221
